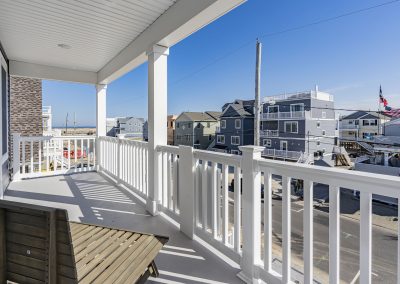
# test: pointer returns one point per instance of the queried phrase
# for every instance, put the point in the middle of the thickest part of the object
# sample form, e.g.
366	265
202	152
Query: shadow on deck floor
90	198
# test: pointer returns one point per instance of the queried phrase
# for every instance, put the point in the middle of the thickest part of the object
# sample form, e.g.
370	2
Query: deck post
157	121
251	213
186	189
101	118
16	157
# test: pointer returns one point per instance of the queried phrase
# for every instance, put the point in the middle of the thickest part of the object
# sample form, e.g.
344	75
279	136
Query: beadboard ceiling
74	34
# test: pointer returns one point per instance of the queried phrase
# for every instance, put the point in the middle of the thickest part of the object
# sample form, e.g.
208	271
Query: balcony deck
91	198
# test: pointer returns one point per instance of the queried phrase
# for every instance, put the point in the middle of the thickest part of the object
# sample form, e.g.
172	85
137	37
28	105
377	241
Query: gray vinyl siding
301	141
245	133
198	134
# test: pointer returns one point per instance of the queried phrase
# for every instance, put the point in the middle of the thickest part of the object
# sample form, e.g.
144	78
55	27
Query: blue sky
349	57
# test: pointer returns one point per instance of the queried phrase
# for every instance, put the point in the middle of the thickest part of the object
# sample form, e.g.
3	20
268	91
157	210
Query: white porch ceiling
96	30
103	38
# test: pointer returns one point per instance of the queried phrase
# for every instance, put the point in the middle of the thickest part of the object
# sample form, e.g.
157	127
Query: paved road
384	244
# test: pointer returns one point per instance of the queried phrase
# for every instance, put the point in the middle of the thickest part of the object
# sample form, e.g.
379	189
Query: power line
288	30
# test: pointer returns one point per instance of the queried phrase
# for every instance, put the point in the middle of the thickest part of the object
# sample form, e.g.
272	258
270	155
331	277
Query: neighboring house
171	128
359	127
392	128
298	125
196	129
236	127
131	127
112	126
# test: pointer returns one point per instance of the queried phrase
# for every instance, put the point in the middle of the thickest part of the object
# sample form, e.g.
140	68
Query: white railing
283	154
269	133
283	115
126	161
299	96
212	199
35	156
194	188
347	127
169	194
258	168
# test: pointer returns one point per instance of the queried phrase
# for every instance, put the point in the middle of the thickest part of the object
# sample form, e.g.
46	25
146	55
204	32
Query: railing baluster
286	229
204	187
69	154
238	209
81	155
40	156
214	198
196	194
175	188
365	237
47	156
267	221
31	170
334	234
170	183
164	193
23	157
225	205
308	226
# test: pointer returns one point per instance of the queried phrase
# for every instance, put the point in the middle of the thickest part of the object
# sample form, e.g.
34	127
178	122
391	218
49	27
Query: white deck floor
90	198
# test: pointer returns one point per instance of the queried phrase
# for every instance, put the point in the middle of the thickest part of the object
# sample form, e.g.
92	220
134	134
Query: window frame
240	123
267	142
236	137
223	124
291	128
218	139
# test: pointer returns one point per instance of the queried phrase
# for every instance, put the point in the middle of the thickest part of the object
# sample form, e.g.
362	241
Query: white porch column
101	115
251	213
157	120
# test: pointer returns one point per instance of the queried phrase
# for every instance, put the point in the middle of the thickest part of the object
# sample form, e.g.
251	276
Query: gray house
298	123
131	127
236	127
196	129
392	128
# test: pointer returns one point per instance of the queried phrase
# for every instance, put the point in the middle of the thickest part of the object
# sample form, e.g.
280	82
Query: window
209	137
323	132
273	109
372	122
235	140
223	124
221	139
177	125
267	142
198	125
291	126
187	137
208	125
318	124
189	125
318	142
323	114
296	107
238	123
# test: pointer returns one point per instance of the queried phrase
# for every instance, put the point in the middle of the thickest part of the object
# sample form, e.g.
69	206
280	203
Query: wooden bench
39	245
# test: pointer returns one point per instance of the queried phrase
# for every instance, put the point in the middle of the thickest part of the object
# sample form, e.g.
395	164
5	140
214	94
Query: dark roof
240	108
364	115
201	116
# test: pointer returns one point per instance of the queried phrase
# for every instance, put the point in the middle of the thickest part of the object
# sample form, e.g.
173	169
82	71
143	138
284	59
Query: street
384	243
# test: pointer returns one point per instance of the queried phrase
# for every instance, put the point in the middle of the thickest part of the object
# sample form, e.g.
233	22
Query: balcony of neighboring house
221	212
269	133
284	115
349	127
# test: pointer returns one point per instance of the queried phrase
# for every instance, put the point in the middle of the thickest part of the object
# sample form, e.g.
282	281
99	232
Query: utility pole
257	95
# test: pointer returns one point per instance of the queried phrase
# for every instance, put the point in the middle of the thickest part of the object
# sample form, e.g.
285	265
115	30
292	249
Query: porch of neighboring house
94	198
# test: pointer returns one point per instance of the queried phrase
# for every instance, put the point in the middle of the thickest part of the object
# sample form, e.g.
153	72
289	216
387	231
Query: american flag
392	112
